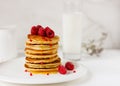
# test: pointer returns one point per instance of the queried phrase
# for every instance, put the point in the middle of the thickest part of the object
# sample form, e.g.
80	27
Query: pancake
36	39
43	66
32	60
42	47
31	51
41	56
41	71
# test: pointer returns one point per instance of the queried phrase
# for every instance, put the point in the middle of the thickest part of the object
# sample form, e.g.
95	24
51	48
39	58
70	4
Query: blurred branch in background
93	44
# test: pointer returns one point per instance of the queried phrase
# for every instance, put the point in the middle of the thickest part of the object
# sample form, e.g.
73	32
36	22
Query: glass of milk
72	30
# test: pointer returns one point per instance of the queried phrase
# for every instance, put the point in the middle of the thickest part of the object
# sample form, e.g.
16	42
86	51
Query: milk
72	35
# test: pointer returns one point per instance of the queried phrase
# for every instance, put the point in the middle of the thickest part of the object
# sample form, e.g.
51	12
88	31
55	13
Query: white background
25	13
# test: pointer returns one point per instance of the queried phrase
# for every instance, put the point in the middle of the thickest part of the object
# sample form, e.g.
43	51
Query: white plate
13	72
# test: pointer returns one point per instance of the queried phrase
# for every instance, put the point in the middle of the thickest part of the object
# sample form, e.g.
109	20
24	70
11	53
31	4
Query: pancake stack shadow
41	54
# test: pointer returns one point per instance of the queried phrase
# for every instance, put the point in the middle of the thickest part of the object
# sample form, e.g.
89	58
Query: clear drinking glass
72	29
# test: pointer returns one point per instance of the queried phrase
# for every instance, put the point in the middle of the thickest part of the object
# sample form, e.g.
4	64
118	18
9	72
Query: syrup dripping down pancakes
41	54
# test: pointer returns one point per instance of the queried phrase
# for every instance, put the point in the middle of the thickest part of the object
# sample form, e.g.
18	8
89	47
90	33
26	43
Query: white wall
25	13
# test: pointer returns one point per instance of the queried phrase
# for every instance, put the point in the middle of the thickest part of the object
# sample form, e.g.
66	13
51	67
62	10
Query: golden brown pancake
49	60
43	66
36	39
41	56
42	47
31	51
41	71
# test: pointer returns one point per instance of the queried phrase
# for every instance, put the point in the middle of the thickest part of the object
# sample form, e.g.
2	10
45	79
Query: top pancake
36	39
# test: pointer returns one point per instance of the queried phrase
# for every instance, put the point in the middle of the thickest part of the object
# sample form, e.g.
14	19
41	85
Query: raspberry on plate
69	66
62	70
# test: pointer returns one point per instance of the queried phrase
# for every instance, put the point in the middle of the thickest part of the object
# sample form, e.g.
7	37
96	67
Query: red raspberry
62	70
49	32
41	31
47	28
34	30
38	26
69	66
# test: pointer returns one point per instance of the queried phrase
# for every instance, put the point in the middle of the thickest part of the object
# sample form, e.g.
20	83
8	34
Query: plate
13	72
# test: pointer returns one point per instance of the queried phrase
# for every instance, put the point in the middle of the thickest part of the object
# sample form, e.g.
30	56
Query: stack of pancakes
41	54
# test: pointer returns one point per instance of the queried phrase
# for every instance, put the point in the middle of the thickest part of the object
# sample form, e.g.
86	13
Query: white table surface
103	71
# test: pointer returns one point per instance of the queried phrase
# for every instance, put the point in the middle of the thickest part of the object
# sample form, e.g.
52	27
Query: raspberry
62	70
38	26
41	31
49	32
69	66
34	30
47	28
